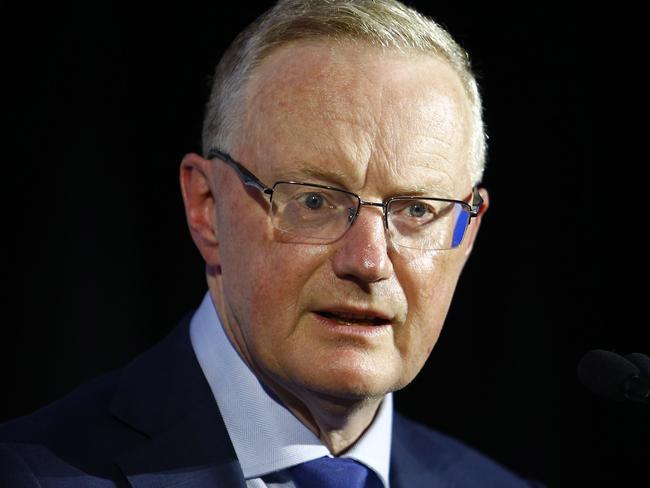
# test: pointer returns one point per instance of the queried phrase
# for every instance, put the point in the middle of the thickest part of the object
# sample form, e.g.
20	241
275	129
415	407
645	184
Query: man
335	206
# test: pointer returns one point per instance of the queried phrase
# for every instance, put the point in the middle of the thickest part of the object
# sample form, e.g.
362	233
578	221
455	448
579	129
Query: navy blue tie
327	472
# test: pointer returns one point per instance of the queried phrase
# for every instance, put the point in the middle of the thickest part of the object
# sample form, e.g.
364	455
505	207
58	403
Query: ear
475	222
200	206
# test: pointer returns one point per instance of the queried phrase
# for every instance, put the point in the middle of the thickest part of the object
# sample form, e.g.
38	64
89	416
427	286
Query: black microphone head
642	362
605	372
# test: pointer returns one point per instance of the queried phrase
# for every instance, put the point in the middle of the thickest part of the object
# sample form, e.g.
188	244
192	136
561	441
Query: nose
362	252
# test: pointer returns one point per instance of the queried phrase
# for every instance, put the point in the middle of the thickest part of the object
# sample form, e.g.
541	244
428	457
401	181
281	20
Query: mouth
354	319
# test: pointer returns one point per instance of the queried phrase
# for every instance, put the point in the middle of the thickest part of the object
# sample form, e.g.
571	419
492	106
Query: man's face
377	124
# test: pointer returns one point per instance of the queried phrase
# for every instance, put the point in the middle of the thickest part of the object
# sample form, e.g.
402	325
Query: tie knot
327	472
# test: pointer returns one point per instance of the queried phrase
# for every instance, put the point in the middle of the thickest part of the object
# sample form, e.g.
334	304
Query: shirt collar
266	436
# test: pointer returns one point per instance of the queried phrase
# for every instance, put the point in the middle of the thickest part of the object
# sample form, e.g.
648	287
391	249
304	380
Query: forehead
357	112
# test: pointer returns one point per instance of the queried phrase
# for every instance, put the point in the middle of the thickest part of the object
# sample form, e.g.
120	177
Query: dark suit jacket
155	423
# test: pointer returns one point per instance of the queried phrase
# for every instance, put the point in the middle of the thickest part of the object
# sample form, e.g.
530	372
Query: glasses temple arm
477	202
248	178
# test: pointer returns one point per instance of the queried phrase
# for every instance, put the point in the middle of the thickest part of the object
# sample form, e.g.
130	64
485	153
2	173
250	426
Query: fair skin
375	123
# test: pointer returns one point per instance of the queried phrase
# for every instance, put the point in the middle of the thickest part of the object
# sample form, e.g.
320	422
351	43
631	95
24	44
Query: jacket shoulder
14	471
422	456
79	413
71	438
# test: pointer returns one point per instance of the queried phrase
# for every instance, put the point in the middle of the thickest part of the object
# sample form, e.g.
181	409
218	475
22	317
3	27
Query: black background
103	100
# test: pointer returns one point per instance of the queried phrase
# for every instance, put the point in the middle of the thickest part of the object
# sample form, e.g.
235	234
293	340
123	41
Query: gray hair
387	24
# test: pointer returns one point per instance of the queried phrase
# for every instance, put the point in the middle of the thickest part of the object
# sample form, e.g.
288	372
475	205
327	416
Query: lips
351	318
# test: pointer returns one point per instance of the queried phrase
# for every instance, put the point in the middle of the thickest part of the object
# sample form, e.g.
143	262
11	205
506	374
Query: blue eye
313	201
417	210
414	212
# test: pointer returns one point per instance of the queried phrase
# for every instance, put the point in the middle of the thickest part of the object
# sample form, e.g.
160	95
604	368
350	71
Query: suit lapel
164	396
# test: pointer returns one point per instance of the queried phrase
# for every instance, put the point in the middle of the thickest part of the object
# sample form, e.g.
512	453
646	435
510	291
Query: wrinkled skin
375	123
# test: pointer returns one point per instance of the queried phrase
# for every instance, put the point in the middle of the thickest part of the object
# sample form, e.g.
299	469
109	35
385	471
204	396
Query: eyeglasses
322	214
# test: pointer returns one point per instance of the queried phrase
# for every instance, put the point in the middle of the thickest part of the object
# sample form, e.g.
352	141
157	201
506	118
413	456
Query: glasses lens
312	212
427	224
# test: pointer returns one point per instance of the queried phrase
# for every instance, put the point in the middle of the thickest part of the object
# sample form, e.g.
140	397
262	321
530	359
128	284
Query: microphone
642	362
616	377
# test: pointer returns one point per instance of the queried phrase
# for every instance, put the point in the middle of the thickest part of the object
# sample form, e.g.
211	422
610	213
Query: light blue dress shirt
266	436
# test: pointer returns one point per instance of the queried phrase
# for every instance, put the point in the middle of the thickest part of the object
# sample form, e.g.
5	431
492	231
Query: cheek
429	286
264	280
434	283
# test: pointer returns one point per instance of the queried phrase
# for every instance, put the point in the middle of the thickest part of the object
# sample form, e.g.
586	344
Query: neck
338	423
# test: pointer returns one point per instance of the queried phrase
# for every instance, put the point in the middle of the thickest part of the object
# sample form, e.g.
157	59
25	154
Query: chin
351	383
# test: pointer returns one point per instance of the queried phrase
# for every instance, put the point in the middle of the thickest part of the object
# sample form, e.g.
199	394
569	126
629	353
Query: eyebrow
308	174
434	187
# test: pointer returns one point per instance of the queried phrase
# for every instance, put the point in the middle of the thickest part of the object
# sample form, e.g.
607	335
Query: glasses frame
249	179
